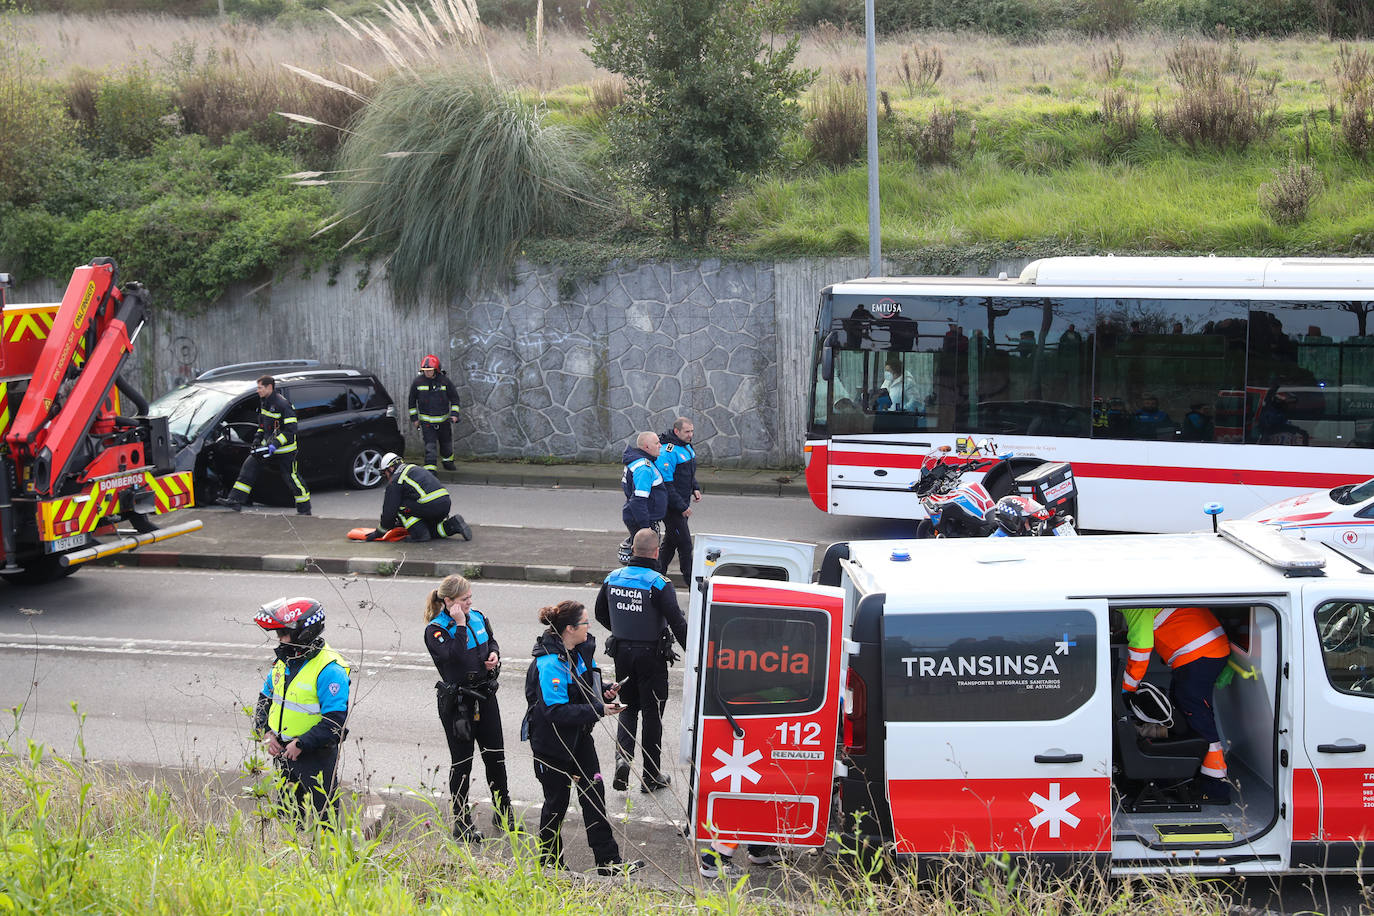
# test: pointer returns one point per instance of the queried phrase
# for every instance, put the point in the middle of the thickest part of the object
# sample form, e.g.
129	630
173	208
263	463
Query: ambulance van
963	696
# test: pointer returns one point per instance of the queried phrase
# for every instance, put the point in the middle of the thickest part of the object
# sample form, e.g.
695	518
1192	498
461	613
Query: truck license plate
61	544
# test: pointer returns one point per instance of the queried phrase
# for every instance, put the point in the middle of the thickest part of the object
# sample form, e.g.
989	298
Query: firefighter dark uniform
677	463
637	604
433	406
415	500
560	688
1193	644
460	652
274	444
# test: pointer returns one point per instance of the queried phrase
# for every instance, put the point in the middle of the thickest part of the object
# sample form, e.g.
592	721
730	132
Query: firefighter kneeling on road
302	710
417	501
1193	644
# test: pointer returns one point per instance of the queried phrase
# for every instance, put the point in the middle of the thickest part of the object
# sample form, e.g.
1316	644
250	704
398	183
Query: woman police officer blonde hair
464	649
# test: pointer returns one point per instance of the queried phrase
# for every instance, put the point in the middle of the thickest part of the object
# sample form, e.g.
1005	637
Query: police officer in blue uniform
464	649
677	462
637	604
302	710
646	497
566	699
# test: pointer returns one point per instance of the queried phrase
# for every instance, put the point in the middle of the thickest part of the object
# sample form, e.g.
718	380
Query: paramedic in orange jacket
1193	644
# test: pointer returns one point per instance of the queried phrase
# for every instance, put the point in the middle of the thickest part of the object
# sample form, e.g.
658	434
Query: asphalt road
162	665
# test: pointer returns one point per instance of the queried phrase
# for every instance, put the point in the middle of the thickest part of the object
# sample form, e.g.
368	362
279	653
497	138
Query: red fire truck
75	461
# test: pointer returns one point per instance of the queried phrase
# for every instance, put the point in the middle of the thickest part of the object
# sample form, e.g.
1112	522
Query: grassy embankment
79	839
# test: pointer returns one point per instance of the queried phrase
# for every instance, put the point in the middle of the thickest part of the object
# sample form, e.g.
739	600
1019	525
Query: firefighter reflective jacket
412	486
277	423
433	400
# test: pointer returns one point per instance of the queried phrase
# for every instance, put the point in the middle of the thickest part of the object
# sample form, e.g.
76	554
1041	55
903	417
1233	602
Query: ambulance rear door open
766	711
997	736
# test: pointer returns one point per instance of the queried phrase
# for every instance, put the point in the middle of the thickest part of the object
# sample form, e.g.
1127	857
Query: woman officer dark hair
563	689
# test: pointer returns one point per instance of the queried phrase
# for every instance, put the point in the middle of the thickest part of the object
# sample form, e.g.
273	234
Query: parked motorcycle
959	508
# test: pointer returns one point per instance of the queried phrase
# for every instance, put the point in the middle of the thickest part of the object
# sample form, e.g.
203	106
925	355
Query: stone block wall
546	368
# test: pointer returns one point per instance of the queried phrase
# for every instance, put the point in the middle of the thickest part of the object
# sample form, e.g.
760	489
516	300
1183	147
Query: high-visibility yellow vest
296	706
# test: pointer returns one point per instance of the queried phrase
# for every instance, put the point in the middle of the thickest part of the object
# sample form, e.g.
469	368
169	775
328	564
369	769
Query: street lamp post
875	240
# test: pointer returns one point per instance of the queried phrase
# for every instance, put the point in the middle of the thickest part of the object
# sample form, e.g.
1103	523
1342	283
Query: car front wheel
365	470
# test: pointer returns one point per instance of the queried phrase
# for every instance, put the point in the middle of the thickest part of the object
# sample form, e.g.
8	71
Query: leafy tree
707	98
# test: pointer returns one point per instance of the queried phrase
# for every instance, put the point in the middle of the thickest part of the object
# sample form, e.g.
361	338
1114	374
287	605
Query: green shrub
837	122
453	173
1220	104
125	114
1289	196
188	220
1355	86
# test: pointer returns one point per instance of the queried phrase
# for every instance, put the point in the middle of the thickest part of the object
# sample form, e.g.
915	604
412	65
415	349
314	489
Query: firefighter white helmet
389	463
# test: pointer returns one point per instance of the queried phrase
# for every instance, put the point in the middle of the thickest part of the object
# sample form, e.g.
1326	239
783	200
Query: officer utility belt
636	643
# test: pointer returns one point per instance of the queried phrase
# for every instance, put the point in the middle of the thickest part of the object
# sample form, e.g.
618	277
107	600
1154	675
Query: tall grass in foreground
75	839
453	173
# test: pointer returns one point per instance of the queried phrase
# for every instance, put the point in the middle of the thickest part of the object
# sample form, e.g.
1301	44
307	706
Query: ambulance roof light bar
1269	544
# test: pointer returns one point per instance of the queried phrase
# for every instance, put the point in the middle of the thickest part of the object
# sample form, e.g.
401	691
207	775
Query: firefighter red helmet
430	362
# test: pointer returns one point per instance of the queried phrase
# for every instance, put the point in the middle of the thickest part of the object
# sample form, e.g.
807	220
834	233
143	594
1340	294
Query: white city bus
1165	382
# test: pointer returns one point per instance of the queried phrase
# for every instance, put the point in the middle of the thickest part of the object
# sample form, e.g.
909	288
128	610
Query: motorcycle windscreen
768	706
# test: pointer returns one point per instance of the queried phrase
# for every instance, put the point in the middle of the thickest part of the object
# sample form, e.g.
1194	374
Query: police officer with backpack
638	605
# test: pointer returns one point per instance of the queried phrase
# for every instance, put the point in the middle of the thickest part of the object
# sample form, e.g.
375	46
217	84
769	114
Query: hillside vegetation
175	158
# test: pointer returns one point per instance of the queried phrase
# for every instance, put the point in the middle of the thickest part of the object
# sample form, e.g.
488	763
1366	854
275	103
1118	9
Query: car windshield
190	409
1349	496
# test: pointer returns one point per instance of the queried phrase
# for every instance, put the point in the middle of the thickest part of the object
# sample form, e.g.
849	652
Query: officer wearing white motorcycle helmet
416	501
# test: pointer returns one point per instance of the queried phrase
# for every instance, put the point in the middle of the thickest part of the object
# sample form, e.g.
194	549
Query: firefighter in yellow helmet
302	710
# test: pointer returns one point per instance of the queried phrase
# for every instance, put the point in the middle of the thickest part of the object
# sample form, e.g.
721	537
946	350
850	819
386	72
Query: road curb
362	566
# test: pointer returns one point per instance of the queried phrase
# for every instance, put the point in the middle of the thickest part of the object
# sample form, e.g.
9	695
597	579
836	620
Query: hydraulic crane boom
71	464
